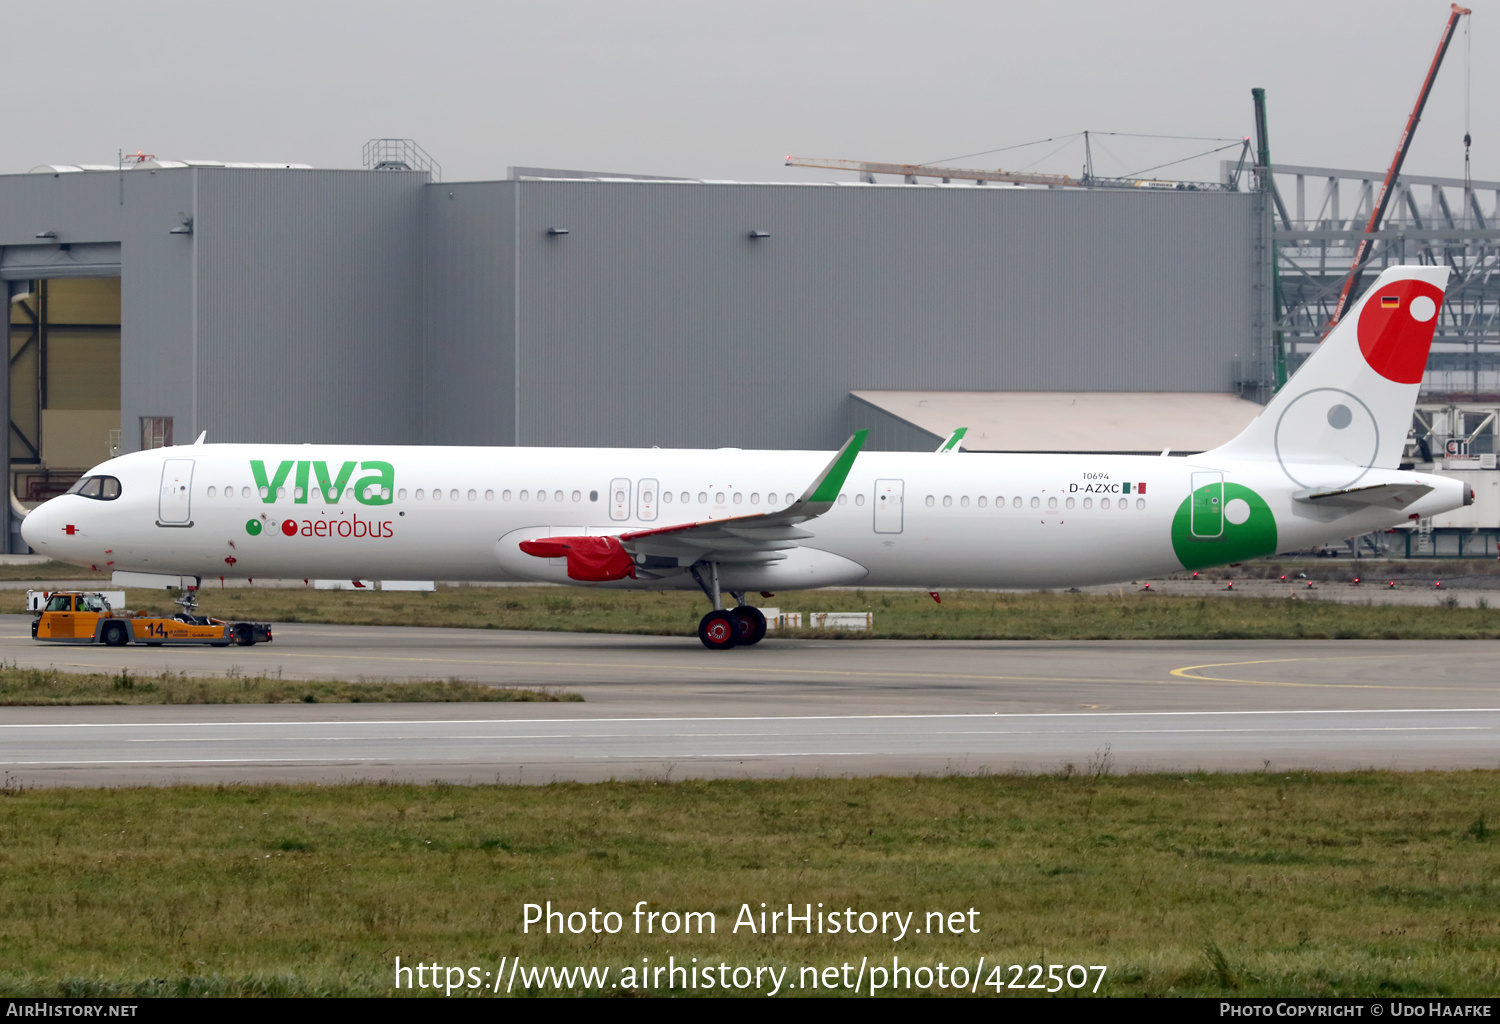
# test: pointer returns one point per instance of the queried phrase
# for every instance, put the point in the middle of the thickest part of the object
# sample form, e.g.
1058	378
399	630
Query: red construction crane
1377	213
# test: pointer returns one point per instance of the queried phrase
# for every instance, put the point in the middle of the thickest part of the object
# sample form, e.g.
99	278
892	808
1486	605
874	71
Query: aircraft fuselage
901	519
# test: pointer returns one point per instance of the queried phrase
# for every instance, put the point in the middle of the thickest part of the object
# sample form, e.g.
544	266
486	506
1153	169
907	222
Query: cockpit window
100	488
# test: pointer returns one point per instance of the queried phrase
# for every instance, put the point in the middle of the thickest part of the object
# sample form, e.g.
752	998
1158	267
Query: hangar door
64	367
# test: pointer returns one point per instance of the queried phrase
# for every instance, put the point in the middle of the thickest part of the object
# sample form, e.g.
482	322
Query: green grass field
1326	569
1369	883
1127	615
52	687
54	570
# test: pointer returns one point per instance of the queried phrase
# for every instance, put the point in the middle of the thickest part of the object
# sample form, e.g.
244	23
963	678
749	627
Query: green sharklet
826	489
1252	538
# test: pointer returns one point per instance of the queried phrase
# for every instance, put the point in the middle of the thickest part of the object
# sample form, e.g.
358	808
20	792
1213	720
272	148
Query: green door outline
1206	518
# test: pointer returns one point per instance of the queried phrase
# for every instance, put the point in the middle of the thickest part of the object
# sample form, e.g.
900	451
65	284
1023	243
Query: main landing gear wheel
752	624
719	630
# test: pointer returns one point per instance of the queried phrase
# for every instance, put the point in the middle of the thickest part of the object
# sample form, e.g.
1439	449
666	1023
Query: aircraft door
647	494
1206	513
889	501
175	507
619	499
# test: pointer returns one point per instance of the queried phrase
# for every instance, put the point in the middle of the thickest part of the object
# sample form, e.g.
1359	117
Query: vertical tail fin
1348	409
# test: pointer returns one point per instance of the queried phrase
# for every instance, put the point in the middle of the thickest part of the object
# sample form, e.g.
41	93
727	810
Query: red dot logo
1395	329
289	527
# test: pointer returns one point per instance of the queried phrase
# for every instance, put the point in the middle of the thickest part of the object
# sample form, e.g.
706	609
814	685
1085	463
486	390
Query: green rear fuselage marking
1226	541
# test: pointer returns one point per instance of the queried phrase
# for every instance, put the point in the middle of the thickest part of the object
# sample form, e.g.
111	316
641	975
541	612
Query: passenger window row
1122	503
720	498
111	489
371	492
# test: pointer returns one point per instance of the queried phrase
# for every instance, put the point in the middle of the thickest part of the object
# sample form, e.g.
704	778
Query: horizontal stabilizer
1394	496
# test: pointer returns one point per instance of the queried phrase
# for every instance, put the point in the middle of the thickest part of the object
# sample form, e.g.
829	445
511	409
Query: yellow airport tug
84	617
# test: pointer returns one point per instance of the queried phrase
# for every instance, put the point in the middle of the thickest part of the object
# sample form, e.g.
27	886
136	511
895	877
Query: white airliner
1319	464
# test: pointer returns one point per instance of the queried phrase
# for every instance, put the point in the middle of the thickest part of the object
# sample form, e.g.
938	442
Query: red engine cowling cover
590	559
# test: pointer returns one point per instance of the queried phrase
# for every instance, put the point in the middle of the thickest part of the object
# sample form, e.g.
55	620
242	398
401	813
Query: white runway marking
757	718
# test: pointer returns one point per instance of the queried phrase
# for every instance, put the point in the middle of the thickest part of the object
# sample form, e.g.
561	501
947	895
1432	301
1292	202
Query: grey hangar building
280	303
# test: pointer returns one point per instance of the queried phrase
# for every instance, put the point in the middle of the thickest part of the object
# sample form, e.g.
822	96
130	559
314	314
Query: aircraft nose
41	526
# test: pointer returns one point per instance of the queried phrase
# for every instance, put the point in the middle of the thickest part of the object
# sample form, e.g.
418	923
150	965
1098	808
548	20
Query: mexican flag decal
1132	488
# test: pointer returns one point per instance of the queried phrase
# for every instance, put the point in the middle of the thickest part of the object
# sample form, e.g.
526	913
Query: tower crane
1387	187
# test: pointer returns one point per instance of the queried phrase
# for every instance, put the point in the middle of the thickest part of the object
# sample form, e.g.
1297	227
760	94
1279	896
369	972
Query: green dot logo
252	527
1220	523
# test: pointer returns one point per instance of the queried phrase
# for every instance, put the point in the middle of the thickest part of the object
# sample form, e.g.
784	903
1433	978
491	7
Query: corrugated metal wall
468	352
361	306
79	207
156	303
136	210
657	320
309	305
292	312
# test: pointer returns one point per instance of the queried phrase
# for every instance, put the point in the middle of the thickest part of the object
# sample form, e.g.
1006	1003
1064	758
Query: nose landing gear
724	628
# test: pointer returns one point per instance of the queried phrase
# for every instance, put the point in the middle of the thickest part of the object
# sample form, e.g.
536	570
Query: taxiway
664	707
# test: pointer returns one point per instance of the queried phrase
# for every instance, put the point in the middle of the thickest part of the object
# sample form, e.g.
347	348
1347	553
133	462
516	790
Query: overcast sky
726	90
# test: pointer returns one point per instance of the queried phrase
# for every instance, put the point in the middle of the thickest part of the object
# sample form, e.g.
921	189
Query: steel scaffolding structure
1318	215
